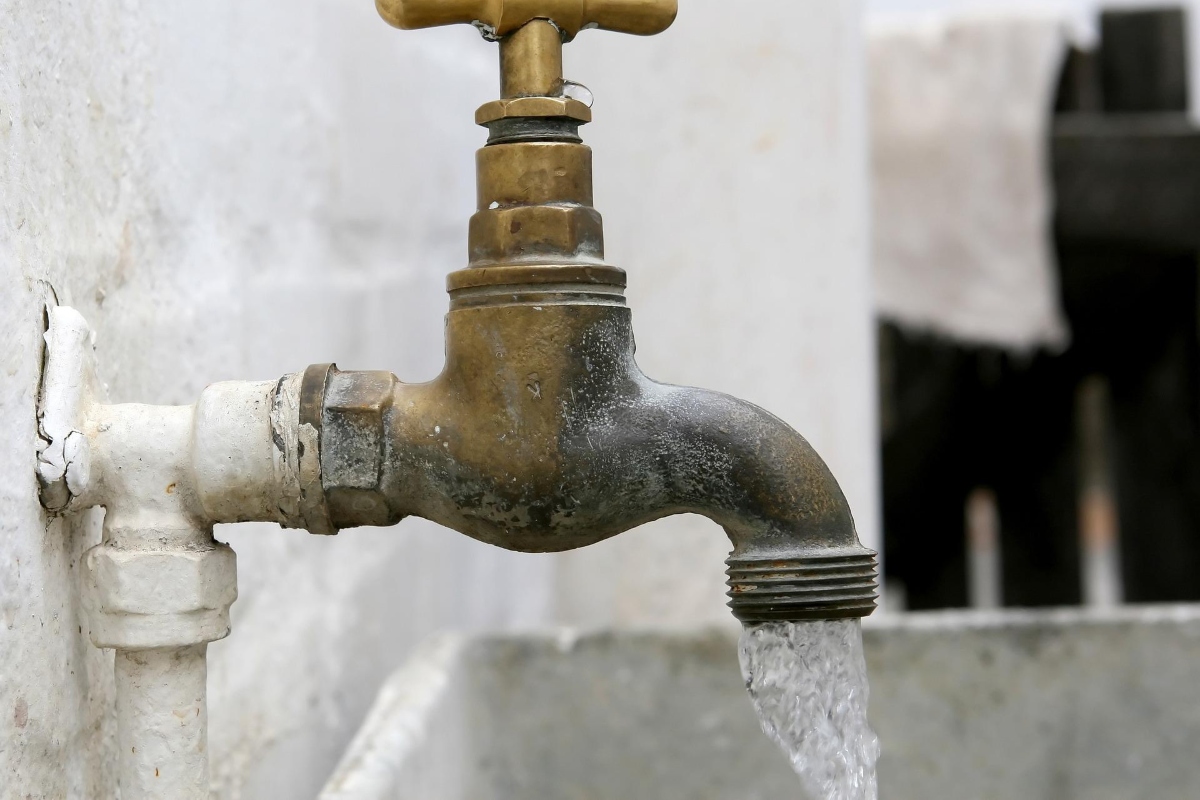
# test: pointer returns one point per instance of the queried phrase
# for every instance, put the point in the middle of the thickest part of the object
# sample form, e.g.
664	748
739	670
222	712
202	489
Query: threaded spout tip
833	584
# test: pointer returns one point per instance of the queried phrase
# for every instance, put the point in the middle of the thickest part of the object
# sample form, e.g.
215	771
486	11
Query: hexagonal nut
139	599
555	107
354	429
533	173
559	232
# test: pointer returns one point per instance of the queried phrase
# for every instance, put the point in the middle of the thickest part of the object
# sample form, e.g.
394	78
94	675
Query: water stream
808	682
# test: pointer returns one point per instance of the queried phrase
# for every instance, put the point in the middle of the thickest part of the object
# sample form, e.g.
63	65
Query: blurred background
1036	288
953	243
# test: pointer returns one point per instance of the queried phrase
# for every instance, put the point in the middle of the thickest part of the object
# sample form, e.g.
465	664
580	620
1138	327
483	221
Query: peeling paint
68	384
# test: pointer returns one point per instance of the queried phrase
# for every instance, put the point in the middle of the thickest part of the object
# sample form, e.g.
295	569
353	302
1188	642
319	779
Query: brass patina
541	434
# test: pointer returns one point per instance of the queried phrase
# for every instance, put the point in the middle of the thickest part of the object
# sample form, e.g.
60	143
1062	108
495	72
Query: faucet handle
498	18
531	32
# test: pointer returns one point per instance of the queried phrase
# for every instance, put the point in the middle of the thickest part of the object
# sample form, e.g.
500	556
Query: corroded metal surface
542	434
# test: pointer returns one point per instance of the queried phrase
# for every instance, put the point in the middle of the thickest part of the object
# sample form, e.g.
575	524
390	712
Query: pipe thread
772	589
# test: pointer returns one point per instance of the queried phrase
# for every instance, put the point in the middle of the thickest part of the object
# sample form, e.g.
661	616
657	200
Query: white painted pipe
244	454
162	723
159	587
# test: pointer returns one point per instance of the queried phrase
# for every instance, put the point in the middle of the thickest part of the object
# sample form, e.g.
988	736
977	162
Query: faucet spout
543	435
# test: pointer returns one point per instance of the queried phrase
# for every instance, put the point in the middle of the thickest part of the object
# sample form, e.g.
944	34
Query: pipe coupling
139	599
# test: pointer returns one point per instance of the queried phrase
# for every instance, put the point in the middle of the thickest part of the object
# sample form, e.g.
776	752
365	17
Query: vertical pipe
162	723
1099	528
983	549
531	63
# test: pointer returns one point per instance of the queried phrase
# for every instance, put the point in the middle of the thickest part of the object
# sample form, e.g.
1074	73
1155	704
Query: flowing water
808	682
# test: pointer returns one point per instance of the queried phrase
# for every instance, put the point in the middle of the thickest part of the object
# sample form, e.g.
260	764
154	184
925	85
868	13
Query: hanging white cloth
961	109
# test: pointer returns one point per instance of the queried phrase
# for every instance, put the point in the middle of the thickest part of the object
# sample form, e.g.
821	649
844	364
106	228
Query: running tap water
808	683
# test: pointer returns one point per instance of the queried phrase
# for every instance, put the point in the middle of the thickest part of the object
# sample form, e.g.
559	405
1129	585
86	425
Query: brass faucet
541	434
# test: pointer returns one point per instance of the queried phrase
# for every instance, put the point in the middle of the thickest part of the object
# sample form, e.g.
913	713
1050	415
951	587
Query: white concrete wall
235	190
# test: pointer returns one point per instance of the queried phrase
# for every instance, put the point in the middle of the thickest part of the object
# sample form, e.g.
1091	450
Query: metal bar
984	560
1099	526
162	723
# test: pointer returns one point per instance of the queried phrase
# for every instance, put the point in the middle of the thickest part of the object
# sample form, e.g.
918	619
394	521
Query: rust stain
21	713
171	488
766	142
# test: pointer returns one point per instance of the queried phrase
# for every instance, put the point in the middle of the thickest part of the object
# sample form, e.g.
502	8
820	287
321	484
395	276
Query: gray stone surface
1058	705
1039	706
